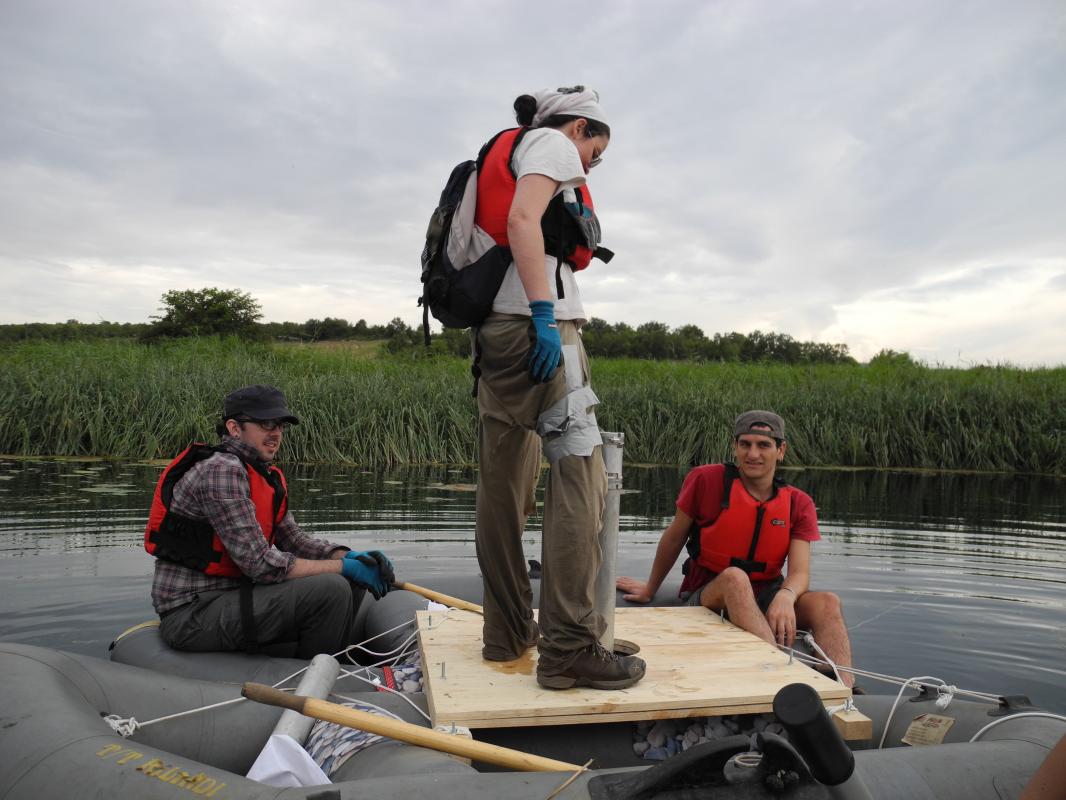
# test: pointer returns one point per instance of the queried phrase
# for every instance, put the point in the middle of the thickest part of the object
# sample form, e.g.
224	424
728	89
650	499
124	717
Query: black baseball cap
258	402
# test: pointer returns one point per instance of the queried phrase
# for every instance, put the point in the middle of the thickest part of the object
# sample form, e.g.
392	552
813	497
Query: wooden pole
437	597
406	732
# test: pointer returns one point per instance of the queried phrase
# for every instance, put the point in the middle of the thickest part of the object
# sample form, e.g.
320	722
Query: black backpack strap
475	366
483	153
603	254
197	452
514	147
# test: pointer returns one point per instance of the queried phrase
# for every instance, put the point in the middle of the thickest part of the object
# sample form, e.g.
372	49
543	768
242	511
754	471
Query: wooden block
853	725
698	665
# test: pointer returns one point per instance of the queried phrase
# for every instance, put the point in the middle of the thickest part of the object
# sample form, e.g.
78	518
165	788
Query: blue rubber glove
547	346
371	570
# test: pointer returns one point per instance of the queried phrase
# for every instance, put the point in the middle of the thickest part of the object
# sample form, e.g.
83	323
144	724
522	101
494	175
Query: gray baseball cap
752	421
258	402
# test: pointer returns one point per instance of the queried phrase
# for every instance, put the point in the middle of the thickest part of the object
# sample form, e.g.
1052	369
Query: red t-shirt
701	499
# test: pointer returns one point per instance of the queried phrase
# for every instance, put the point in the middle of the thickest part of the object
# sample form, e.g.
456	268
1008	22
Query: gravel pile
666	737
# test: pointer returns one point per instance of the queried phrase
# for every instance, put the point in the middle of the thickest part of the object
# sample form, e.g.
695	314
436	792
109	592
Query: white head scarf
575	101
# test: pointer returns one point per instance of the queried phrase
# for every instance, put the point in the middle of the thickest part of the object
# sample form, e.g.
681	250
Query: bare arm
303	567
532	195
670	545
781	615
1049	782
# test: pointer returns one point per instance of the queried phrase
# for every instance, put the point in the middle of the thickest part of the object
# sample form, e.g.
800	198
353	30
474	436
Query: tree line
227	312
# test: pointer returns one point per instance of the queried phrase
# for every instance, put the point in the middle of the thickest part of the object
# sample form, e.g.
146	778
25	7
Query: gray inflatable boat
56	741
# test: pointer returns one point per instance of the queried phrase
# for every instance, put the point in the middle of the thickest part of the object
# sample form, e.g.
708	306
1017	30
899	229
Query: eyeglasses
596	160
269	424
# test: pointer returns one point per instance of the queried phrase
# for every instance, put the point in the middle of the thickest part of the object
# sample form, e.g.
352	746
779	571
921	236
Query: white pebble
659	733
410	686
640	748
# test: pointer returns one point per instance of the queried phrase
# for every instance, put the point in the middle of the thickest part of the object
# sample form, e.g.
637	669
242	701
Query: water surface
957	576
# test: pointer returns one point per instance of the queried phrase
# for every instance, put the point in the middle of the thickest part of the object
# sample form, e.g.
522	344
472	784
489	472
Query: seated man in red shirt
741	524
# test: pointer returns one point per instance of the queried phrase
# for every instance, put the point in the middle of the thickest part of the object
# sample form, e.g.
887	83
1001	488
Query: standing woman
534	394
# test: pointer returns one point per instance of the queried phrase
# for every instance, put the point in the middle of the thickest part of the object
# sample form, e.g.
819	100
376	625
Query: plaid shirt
217	489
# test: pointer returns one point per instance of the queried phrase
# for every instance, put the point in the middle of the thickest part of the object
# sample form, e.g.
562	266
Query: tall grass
126	400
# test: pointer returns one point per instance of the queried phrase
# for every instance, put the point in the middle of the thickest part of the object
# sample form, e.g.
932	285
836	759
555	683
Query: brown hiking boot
593	666
495	655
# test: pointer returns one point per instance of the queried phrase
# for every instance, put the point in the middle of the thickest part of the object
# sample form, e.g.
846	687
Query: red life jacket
193	542
496	182
747	533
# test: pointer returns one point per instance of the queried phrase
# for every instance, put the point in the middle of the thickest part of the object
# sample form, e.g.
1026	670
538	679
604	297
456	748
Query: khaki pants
512	409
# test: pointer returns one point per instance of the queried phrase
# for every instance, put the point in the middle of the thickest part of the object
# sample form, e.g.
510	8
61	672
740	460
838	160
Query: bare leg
821	613
732	591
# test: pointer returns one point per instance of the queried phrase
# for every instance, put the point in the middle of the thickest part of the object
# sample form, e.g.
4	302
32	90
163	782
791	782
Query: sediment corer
317	682
798	707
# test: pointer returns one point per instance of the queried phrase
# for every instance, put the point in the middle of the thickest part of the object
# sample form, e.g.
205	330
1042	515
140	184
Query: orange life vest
747	533
193	542
564	234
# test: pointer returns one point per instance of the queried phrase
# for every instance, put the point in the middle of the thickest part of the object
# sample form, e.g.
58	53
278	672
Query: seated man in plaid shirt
233	569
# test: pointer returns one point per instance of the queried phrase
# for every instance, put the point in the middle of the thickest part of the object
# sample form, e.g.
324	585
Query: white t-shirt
545	151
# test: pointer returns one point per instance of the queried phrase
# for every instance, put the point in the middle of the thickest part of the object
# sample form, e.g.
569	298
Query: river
957	576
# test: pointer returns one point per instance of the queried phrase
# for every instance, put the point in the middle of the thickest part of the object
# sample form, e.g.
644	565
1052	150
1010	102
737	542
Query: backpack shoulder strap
193	455
485	148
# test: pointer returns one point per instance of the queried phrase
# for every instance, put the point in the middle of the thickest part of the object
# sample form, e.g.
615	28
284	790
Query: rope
383	711
126	727
892	711
408	700
1001	720
808	637
571	779
895	680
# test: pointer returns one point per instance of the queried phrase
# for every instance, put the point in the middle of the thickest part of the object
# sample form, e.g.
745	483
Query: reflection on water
959	576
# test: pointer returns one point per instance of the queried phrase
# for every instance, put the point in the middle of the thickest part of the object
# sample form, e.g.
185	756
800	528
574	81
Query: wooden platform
698	665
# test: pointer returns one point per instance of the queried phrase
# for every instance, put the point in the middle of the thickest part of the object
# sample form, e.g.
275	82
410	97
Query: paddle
406	732
438	597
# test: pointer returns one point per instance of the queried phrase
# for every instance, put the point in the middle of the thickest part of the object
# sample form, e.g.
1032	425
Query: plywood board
698	665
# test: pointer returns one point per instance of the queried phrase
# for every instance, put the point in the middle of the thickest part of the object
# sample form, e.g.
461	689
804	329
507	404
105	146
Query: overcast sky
883	174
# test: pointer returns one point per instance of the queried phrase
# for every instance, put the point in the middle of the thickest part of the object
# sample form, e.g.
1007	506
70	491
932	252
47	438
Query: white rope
383	711
1001	720
897	681
888	722
126	727
808	637
847	705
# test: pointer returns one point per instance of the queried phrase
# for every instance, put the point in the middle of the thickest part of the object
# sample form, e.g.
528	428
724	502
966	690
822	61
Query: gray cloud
841	155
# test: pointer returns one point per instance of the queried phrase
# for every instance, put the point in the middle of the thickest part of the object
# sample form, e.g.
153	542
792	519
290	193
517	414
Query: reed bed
125	400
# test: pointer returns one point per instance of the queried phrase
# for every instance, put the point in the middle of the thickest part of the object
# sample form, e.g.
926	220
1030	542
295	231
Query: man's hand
371	570
635	591
781	616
